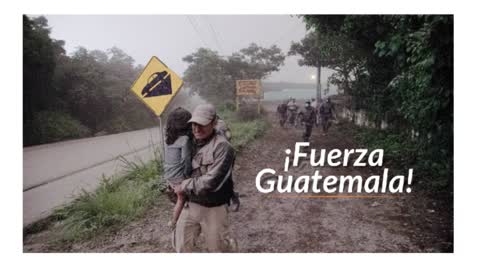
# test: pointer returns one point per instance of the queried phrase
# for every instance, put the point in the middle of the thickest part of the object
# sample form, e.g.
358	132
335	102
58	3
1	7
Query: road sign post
156	86
250	88
162	142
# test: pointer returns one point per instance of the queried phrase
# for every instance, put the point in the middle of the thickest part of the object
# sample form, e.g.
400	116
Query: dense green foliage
56	126
75	96
398	68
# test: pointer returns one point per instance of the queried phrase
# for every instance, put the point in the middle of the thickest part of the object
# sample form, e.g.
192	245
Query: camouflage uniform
309	120
326	113
282	112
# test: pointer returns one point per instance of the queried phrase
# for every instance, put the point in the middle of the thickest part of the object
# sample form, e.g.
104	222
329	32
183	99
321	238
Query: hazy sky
171	37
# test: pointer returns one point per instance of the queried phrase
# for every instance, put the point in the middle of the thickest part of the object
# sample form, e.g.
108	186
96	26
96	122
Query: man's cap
203	114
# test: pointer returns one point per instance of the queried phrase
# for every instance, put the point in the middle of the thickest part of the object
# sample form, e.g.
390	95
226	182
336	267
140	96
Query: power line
196	31
214	35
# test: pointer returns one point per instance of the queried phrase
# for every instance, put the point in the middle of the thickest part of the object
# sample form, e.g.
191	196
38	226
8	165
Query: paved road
54	174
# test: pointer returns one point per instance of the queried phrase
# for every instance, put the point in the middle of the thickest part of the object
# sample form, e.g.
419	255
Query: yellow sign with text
157	85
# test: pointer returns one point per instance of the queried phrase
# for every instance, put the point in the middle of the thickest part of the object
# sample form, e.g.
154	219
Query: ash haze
171	37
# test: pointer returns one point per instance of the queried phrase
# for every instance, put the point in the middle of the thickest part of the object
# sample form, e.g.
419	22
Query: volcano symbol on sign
159	85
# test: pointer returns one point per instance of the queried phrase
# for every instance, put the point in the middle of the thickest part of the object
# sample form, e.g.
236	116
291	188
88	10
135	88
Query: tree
39	54
327	47
97	86
78	95
213	77
404	71
261	61
206	75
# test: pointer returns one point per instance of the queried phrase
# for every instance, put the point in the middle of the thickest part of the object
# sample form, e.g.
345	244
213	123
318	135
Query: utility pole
319	71
319	84
162	140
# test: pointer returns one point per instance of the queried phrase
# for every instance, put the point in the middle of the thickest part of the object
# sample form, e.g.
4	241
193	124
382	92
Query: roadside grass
245	132
117	201
121	199
246	125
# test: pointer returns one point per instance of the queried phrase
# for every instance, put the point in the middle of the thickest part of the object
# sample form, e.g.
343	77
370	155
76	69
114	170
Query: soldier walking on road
309	120
314	105
326	113
292	111
282	113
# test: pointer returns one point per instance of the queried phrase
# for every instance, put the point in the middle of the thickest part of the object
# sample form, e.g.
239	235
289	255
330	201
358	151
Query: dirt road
408	223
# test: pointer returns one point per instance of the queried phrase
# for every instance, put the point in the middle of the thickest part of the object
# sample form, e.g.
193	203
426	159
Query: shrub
404	152
51	126
245	132
114	203
248	112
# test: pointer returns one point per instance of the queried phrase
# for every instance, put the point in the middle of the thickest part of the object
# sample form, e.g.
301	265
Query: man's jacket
212	167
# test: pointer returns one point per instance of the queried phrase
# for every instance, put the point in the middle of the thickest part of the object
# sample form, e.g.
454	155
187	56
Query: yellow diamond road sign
157	85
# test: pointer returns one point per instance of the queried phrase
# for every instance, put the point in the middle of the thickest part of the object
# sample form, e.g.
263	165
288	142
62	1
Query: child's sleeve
187	157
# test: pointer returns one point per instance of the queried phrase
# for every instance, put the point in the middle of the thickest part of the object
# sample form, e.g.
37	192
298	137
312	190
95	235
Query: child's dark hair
177	125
